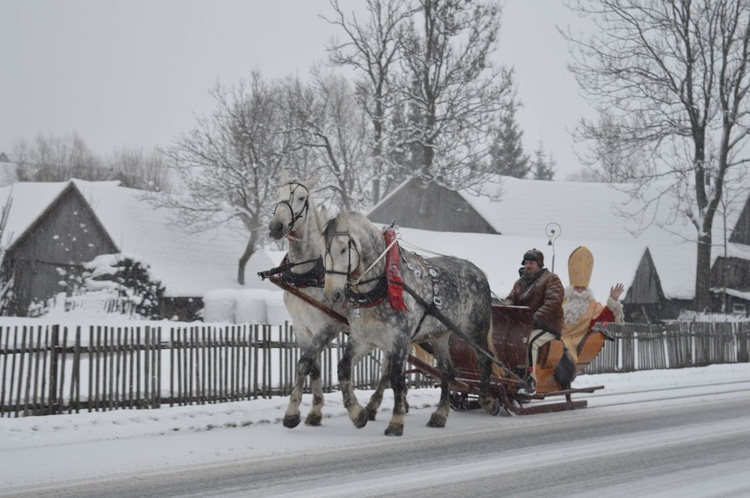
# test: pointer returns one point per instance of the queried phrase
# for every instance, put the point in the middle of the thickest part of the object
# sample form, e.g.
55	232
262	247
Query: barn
52	229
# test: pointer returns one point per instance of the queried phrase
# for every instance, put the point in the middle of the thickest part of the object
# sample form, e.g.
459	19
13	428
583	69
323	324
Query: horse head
294	208
351	243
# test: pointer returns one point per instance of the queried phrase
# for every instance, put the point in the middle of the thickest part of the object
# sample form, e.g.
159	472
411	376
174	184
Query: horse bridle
366	299
288	204
350	245
313	276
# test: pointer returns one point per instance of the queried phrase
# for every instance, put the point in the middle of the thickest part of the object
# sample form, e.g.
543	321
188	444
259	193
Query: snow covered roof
592	214
594	211
500	256
187	264
29	200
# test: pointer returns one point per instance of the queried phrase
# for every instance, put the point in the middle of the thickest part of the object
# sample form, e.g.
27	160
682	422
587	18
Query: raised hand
616	291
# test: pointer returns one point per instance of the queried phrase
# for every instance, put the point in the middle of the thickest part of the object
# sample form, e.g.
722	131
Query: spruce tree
506	153
542	167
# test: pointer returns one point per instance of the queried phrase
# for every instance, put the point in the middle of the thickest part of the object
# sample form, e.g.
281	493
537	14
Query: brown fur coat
543	292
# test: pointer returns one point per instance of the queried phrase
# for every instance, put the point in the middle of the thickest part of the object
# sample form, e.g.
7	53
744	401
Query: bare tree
336	129
144	170
453	92
230	161
672	78
372	48
50	158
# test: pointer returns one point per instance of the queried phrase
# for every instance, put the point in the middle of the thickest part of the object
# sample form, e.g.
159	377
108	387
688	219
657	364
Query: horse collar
388	285
371	298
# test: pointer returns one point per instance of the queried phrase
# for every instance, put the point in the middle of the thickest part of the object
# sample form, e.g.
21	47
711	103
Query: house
417	204
730	273
656	264
54	228
8	170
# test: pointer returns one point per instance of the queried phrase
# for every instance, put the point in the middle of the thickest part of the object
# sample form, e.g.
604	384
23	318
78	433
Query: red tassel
393	273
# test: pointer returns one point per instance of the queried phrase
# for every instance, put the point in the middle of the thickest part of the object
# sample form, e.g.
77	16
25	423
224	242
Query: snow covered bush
128	281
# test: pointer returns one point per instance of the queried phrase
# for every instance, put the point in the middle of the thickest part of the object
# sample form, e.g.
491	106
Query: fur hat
534	255
580	267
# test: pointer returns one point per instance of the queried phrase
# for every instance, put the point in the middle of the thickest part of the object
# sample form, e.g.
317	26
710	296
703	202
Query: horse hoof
371	413
313	419
361	419
436	421
493	407
394	430
291	421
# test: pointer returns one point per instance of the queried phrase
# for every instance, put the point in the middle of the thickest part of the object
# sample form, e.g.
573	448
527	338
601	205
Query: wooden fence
678	345
47	369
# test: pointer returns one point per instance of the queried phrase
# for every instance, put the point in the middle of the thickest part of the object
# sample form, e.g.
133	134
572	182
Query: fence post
53	401
743	337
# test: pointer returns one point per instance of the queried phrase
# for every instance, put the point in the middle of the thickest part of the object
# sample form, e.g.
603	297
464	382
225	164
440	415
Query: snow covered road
652	433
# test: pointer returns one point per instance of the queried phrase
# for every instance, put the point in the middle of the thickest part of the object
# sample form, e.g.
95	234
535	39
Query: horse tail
565	370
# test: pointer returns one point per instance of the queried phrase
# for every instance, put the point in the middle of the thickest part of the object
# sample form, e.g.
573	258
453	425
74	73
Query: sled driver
543	292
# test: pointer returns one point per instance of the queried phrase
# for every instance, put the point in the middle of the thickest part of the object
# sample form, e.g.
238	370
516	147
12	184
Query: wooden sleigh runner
511	330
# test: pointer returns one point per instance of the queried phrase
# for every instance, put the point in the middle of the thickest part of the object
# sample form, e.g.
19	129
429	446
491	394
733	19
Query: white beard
576	304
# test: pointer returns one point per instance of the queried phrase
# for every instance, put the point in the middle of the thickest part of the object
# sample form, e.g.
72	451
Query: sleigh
511	330
510	335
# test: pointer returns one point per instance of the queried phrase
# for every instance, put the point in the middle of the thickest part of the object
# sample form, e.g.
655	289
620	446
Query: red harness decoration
393	272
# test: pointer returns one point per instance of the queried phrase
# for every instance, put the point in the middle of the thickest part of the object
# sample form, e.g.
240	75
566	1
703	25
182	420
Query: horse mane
330	228
319	214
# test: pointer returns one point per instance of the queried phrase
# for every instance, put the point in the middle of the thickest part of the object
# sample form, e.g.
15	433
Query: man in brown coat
543	292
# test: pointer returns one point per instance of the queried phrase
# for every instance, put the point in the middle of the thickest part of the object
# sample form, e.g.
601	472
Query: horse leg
377	397
292	414
356	413
488	403
315	416
309	365
398	385
447	376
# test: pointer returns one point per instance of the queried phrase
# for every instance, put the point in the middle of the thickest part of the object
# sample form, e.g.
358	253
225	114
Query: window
739	308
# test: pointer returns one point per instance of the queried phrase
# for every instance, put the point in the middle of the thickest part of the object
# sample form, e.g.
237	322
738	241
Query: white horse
296	217
397	298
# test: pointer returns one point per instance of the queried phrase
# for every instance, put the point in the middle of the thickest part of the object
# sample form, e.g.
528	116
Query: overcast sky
126	73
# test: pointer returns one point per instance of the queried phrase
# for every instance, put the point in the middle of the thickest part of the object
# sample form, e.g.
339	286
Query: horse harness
368	299
376	295
315	277
379	292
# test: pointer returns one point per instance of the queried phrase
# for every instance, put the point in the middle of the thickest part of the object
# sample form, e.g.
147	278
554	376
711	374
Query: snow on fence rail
54	368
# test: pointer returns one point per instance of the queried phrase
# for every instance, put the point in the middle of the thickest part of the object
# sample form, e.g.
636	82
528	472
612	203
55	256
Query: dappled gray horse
296	217
365	267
